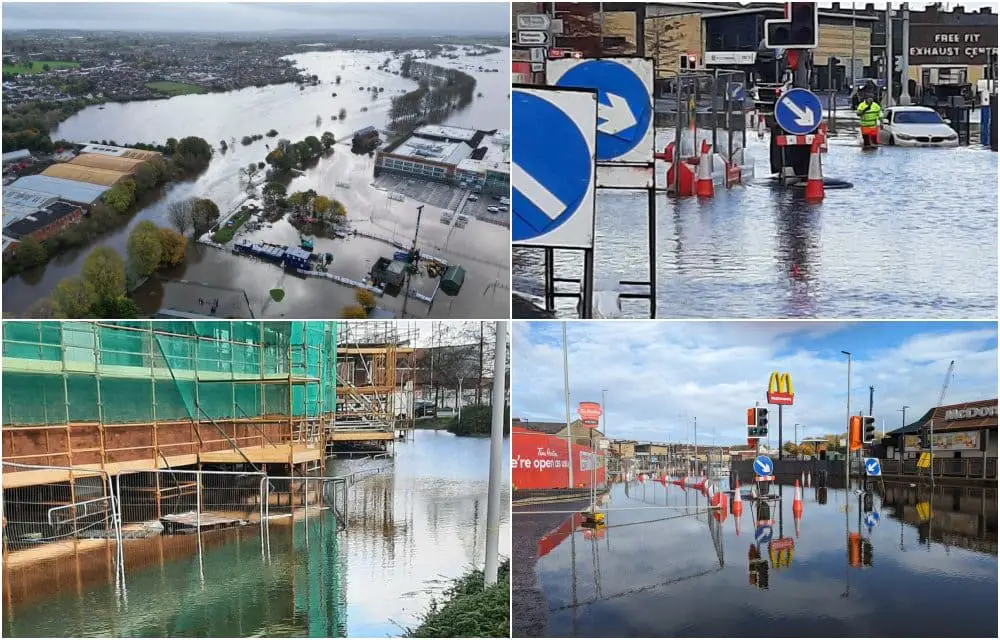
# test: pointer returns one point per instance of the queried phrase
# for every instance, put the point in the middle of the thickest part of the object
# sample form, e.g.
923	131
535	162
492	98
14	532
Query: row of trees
194	214
439	91
27	126
100	291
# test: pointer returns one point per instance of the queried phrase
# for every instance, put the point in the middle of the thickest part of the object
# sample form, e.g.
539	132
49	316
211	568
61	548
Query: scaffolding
128	396
372	396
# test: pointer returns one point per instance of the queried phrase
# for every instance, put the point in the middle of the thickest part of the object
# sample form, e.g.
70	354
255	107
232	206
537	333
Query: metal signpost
553	177
625	135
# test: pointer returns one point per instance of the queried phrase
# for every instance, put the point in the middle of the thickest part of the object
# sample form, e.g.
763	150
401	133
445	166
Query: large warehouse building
451	154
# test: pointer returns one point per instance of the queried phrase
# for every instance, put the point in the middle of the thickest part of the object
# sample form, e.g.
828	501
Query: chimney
986	10
958	9
836	6
869	7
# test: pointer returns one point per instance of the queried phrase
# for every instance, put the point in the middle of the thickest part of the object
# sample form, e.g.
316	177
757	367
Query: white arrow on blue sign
873	467
625	111
552	169
763	534
798	111
872	519
763	466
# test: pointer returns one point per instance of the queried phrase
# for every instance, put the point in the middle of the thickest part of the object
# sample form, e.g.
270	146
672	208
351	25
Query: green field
174	88
37	66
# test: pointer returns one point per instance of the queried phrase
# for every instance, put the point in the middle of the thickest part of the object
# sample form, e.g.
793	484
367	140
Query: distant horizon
485	18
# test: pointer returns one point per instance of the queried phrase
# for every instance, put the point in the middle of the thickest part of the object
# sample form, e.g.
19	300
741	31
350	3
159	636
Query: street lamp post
795	436
847	447
569	428
902	439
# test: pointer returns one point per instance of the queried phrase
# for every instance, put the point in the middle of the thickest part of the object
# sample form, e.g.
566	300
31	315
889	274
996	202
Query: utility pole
854	26
890	62
847	425
795	434
496	458
569	429
904	55
902	439
696	445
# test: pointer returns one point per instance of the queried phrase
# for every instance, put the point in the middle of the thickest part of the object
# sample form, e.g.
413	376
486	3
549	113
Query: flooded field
915	236
663	567
408	532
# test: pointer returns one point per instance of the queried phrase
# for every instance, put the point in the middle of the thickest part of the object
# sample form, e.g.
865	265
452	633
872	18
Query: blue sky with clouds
661	375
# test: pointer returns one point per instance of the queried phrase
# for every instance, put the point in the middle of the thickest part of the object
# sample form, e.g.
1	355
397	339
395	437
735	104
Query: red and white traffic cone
814	181
797	507
704	187
760	126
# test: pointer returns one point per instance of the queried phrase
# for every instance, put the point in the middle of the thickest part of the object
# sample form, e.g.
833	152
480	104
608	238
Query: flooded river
916	236
481	248
408	532
928	568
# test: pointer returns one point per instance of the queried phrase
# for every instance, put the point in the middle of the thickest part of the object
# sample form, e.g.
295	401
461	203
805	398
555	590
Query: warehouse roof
39	220
71	190
425	149
121	152
113	163
13	156
18	203
457	134
104	177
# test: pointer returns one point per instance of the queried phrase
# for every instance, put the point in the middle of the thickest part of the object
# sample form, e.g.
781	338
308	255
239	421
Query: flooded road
481	248
927	569
916	236
408	532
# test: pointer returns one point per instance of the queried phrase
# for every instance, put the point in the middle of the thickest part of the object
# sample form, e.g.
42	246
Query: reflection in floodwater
811	554
408	533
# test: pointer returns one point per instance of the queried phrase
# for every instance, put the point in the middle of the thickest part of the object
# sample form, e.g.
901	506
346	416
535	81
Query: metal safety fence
146	516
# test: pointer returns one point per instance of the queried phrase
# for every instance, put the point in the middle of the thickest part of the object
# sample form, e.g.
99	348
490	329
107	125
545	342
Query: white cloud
661	375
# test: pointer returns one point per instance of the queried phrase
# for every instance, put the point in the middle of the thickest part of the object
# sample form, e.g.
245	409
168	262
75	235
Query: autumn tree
104	271
320	205
174	246
144	248
73	297
353	312
29	253
365	298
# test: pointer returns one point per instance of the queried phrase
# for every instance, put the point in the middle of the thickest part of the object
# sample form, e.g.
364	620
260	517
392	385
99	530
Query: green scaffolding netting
124	372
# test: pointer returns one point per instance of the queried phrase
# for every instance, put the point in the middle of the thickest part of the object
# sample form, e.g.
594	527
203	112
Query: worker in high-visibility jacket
870	113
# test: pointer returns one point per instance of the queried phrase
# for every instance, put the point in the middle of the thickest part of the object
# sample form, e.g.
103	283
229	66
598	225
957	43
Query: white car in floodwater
915	127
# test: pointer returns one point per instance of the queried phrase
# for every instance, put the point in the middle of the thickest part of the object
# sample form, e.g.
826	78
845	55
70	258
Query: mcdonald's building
965	441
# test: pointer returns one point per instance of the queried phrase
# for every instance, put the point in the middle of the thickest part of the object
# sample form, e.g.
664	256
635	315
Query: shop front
953	57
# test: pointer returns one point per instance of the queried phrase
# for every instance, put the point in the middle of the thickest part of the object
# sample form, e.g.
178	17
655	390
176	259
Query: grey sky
408	17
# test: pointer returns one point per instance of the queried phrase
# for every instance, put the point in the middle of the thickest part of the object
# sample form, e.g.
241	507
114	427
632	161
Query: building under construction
150	410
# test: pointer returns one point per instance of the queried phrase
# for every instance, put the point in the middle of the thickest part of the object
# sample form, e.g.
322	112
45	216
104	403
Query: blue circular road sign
625	108
763	466
798	111
549	148
872	519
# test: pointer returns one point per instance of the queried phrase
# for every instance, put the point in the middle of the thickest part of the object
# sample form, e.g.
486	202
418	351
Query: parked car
424	409
493	209
462	221
915	127
473	198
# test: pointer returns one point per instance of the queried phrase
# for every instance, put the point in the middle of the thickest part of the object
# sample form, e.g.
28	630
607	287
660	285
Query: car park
915	127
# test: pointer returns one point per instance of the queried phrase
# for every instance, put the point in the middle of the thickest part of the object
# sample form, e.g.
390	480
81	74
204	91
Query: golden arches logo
779	389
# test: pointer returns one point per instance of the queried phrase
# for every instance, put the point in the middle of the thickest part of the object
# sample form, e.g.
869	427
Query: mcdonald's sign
779	389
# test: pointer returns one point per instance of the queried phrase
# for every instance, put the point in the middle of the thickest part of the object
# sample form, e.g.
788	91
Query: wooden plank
361	436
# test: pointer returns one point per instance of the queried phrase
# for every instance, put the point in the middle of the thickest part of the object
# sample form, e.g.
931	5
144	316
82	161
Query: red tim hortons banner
590	414
540	461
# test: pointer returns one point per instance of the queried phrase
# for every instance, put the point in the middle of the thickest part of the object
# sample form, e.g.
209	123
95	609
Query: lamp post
795	436
847	423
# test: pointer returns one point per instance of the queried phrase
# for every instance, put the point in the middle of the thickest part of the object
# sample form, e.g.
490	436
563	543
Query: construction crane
412	260
944	392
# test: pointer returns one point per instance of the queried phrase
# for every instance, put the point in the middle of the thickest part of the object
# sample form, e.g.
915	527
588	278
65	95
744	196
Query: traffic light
688	61
854	433
761	422
799	29
867	502
751	423
868	429
866	553
925	438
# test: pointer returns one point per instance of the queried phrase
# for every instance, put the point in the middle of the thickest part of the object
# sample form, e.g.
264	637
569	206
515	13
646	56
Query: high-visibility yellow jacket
870	114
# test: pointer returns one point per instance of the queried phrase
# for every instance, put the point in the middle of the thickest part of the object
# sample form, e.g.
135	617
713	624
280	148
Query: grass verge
226	233
469	610
38	66
174	88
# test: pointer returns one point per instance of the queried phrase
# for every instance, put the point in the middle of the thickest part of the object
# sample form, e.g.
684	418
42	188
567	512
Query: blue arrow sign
736	91
873	467
763	466
552	167
625	106
798	111
763	534
871	519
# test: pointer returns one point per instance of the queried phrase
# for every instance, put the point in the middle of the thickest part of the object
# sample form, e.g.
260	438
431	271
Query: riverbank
469	610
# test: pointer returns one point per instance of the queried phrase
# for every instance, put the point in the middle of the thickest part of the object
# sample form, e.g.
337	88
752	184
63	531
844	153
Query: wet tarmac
916	236
663	567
